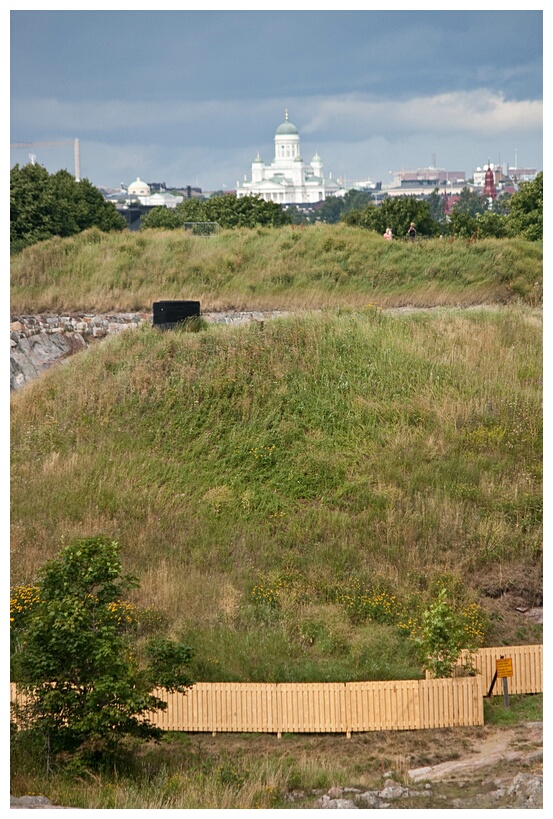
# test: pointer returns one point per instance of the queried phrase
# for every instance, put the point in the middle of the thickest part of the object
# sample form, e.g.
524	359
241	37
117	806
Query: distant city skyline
190	97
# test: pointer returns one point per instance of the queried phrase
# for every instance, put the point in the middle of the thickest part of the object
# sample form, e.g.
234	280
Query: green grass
269	484
246	771
521	708
291	493
270	268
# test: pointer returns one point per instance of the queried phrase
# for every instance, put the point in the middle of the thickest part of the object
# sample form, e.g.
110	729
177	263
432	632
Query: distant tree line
227	210
472	217
43	205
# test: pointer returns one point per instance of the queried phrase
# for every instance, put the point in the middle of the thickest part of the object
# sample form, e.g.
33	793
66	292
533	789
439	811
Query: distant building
490	191
522	174
423	181
479	175
425	176
163	200
503	175
138	188
288	180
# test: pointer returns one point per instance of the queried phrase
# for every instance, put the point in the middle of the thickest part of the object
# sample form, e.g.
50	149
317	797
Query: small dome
287	127
139	187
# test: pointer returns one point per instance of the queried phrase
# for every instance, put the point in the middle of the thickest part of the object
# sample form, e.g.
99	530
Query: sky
189	97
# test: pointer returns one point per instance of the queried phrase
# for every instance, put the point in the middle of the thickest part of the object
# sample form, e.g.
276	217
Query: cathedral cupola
287	142
287	127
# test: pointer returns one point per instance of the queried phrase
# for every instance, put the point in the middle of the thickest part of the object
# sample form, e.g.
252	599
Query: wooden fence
323	707
527	668
346	707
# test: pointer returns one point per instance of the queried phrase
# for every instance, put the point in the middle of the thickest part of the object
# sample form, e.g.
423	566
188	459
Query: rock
342	804
29	801
34	354
295	795
368	800
419	773
535	615
326	803
335	793
527	790
393	792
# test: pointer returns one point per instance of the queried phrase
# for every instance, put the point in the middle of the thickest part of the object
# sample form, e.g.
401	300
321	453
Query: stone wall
37	342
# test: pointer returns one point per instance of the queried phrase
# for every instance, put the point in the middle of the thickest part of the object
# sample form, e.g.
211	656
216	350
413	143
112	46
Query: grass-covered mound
291	493
270	268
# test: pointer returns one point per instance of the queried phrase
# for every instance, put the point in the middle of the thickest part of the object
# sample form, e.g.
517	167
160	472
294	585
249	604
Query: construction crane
74	142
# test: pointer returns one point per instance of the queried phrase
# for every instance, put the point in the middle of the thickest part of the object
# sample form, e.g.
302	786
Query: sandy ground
501	749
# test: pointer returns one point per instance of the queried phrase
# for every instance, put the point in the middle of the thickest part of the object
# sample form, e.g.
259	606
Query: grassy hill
270	268
291	493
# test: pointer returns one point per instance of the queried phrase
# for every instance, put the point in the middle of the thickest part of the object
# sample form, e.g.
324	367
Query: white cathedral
288	180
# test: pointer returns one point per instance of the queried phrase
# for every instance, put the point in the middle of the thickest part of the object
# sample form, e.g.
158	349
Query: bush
76	655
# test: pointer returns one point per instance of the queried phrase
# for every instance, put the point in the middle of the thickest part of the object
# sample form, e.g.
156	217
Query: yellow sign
504	667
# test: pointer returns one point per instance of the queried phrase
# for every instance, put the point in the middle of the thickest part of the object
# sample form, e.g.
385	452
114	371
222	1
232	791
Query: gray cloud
175	96
348	117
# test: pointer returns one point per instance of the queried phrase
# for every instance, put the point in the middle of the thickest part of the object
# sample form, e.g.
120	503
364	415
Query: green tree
462	225
395	213
246	211
161	217
470	202
501	203
297	215
43	205
525	211
435	202
334	207
228	211
445	632
482	226
355	200
330	211
76	654
491	225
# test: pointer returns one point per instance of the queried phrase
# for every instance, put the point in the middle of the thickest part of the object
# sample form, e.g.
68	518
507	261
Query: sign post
504	669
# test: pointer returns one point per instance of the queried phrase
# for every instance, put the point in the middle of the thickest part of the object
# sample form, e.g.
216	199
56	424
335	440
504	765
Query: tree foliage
435	202
335	207
395	213
445	631
77	655
470	203
228	211
43	205
485	225
162	217
525	211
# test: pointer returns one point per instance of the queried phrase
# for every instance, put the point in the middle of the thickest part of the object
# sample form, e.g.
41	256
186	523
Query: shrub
76	657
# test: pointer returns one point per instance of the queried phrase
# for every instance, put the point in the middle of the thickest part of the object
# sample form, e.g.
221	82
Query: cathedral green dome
287	127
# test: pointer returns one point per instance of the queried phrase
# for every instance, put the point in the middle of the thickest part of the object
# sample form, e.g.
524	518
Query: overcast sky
189	97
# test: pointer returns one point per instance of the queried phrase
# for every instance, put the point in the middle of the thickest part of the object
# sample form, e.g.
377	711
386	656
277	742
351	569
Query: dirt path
523	743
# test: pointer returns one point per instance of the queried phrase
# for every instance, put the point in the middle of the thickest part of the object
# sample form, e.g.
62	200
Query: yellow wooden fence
527	668
346	707
323	707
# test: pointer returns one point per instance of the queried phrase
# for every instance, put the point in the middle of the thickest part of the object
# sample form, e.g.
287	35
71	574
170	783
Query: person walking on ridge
388	234
411	233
